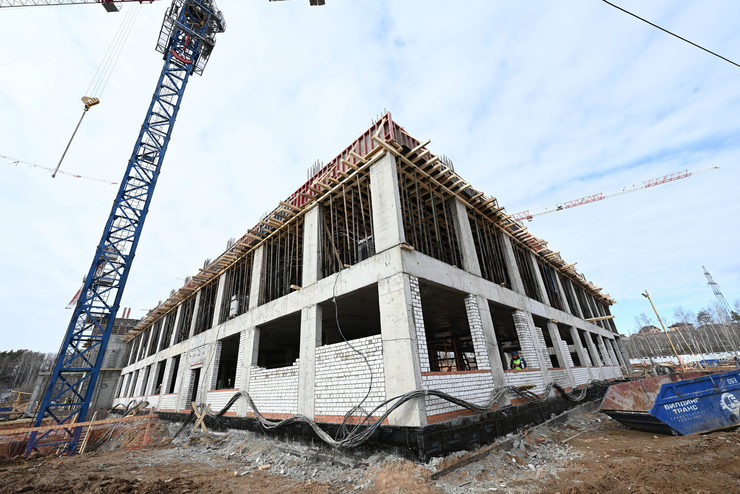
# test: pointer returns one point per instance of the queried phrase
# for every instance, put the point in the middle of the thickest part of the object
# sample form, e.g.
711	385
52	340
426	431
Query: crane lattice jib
110	5
191	26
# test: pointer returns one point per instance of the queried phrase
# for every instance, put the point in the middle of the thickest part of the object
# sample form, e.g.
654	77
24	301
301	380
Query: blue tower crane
186	40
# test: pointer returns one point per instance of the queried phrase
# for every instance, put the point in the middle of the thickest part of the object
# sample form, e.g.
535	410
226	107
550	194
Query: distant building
648	329
682	326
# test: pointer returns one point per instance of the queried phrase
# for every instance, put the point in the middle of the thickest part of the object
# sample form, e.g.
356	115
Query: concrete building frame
382	265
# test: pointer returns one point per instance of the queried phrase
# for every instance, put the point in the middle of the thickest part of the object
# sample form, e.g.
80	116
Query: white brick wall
521	324
218	399
475	387
274	390
520	378
342	376
476	332
421	335
241	359
543	346
168	402
560	376
565	349
580	374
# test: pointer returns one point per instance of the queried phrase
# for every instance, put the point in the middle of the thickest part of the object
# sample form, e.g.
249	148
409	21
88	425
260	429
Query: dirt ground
582	452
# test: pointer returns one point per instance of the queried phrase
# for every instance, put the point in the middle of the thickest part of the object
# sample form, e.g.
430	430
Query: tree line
19	368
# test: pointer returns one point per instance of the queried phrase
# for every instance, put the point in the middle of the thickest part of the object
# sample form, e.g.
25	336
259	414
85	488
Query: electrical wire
671	33
363	431
20	162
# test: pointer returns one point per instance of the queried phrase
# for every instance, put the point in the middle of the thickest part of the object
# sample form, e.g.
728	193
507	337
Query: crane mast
186	40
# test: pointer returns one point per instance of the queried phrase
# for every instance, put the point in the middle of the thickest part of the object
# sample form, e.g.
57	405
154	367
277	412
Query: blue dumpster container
677	404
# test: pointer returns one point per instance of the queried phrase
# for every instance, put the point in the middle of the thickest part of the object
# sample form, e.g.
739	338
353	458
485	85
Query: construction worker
517	362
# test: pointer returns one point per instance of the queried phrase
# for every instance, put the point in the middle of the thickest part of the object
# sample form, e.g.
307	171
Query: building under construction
386	271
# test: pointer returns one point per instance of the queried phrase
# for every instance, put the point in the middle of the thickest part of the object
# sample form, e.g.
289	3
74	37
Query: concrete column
400	357
464	237
386	203
312	245
625	355
310	339
595	358
610	351
196	307
219	300
489	332
249	343
539	281
557	344
582	355
38	389
173	336
511	266
254	288
604	352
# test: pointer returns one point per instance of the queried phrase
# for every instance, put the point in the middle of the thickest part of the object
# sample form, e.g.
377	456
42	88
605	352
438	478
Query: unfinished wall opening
593	307
168	328
158	378
567	337
279	342
506	335
282	262
134	349
236	291
226	375
173	374
145	380
585	307
206	306
427	216
526	270
346	226
568	288
449	341
156	329
609	322
144	343
132	384
358	313
121	385
549	344
487	240
185	319
549	277
194	384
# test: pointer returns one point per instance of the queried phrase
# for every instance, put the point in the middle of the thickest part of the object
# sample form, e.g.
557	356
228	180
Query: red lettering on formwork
338	419
442	417
363	146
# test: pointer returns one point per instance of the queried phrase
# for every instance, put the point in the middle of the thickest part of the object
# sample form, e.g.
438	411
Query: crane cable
103	73
110	59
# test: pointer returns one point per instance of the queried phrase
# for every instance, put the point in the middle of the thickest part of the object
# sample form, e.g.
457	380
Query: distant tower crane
724	310
109	5
528	215
186	40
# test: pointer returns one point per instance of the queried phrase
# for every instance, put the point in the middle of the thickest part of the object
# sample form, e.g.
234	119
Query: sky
536	103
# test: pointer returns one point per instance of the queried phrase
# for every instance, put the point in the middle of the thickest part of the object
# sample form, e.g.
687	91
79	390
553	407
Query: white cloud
536	102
